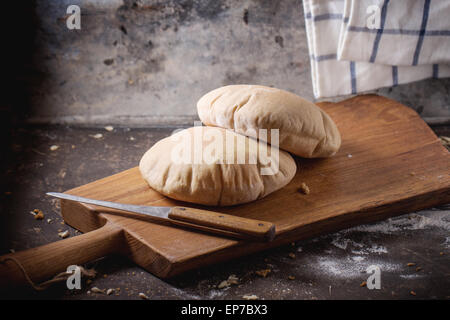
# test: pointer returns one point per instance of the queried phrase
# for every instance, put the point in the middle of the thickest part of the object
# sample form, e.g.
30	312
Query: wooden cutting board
390	163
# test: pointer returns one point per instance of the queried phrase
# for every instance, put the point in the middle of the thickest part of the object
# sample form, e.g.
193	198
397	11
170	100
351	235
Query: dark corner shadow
19	25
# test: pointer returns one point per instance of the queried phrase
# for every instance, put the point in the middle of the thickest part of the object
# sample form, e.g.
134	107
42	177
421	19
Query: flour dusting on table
349	252
415	221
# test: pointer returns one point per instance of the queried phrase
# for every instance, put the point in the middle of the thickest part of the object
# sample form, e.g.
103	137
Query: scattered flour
348	268
374	248
340	243
185	295
364	253
415	221
343	243
358	258
411	276
215	293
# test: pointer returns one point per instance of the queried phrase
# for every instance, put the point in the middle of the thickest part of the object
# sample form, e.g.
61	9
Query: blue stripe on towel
376	43
426	10
435	71
394	76
353	76
324	16
324	57
437	33
409	32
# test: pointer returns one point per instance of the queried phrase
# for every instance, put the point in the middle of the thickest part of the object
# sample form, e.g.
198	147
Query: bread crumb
263	273
413	293
445	142
291	278
109	291
411	264
363	284
232	279
109	128
64	234
97	290
418	269
223	284
292	255
38	214
250	297
143	296
304	188
54	148
97	136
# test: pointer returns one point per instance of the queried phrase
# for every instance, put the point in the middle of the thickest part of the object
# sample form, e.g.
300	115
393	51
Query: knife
204	220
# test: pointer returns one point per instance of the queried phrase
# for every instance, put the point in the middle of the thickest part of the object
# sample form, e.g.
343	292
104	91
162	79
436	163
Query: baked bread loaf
214	171
304	128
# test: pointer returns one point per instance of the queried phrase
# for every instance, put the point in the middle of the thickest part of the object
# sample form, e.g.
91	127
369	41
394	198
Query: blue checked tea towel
361	45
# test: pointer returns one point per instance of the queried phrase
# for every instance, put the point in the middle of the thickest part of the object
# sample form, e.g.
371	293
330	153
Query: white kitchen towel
406	33
325	27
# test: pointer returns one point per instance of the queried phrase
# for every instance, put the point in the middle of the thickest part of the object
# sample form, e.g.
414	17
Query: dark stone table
327	267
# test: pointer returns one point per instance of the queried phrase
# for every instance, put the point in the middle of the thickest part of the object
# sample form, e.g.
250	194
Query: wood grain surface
390	163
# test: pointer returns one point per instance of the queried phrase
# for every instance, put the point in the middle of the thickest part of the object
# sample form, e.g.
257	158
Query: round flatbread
214	166
304	128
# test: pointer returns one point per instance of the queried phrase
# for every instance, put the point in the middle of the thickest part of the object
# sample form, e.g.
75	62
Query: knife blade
204	220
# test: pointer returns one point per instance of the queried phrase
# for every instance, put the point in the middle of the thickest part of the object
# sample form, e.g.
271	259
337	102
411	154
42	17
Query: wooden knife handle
247	228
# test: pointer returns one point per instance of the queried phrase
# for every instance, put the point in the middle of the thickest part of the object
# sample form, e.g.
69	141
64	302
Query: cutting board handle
44	262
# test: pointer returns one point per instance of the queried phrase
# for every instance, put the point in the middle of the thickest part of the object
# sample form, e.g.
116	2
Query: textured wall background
140	62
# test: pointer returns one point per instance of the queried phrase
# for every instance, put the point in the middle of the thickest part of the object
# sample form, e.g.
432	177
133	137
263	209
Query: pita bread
208	172
304	129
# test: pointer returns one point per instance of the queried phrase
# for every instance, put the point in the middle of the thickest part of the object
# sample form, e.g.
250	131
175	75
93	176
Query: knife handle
247	228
